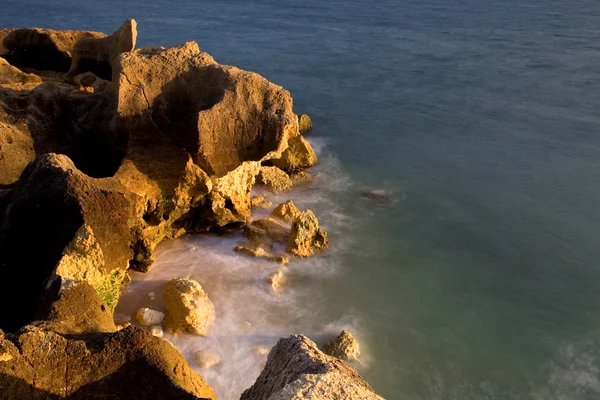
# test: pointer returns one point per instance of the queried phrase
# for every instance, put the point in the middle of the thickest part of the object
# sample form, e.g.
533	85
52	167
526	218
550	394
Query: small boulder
147	316
156	330
304	123
274	228
276	281
254	250
306	236
300	176
297	157
274	179
260	201
189	310
344	347
286	211
207	358
258	236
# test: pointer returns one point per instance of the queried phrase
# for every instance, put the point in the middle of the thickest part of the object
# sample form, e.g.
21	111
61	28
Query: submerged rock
275	229
297	369
304	123
306	236
260	201
207	358
255	250
276	281
286	211
344	347
188	308
147	316
274	179
300	176
379	197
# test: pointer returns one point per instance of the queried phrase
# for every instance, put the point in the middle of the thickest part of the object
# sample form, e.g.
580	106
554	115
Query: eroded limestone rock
306	236
98	54
286	211
148	317
297	369
221	115
344	347
130	363
274	179
41	49
304	123
188	308
260	201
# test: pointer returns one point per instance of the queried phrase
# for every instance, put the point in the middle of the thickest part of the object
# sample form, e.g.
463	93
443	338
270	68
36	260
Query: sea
458	179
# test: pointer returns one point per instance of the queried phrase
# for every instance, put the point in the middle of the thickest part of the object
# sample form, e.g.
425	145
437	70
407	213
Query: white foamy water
250	317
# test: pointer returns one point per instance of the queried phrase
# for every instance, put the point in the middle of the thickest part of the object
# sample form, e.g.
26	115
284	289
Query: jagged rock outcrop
97	54
188	308
221	115
344	347
306	236
81	228
286	211
41	49
274	179
297	369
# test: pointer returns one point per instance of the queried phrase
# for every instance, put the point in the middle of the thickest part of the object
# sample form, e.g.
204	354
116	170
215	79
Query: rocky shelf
105	151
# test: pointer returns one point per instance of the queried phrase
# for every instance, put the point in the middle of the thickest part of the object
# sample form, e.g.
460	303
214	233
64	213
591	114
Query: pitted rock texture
297	370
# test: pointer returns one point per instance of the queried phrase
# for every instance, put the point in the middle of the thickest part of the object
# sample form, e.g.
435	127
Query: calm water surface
481	280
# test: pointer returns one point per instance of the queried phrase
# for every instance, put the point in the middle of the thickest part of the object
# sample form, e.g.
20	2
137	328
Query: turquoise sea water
481	279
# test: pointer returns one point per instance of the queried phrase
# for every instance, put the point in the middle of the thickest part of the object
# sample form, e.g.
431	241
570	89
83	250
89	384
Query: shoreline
109	154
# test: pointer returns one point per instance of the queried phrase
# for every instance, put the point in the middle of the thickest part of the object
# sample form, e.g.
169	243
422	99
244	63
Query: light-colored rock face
306	236
98	54
207	358
296	369
188	308
221	115
286	211
298	156
276	281
304	123
344	347
156	330
274	179
148	317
